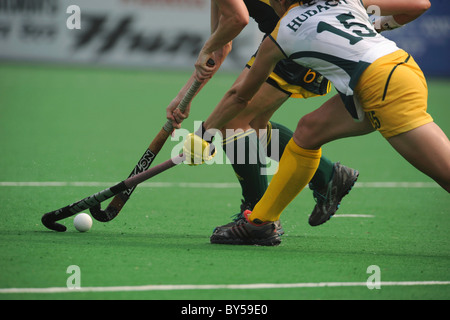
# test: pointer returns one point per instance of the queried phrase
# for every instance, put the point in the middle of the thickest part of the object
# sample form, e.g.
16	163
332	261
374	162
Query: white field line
200	185
353	216
256	286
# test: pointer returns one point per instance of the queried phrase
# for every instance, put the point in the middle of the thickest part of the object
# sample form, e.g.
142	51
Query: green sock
283	137
324	173
242	150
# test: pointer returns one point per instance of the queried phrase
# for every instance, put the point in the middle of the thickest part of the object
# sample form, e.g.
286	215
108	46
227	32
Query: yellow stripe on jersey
274	33
266	2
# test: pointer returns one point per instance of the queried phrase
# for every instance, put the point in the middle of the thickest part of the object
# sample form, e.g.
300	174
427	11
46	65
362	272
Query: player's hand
198	147
175	115
204	68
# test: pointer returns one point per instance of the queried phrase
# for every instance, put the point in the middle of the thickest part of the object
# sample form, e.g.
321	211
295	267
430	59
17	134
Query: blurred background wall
130	33
167	34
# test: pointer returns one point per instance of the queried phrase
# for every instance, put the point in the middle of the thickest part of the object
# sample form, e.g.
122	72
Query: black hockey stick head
103	215
49	221
98	214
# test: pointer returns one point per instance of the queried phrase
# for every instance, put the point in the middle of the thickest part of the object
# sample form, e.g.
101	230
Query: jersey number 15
355	36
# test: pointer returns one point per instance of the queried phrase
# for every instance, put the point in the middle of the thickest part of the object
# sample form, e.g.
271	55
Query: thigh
428	149
329	122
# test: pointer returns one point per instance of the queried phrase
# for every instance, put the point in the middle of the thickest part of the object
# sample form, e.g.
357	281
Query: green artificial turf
92	125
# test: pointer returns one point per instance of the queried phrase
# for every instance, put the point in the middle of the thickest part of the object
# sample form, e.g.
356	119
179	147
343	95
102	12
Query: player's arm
239	96
401	11
228	19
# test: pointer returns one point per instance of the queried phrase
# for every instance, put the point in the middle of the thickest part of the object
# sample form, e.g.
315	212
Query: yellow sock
296	168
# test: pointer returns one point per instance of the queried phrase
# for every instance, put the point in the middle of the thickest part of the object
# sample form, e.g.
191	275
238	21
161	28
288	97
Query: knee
307	134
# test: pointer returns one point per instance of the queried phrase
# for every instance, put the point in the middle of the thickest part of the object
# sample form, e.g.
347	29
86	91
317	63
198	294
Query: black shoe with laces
328	198
245	232
240	216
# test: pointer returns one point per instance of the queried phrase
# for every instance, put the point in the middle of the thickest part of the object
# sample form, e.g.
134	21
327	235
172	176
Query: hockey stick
49	219
146	160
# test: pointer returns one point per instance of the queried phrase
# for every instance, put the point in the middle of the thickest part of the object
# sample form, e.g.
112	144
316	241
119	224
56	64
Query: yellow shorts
393	93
